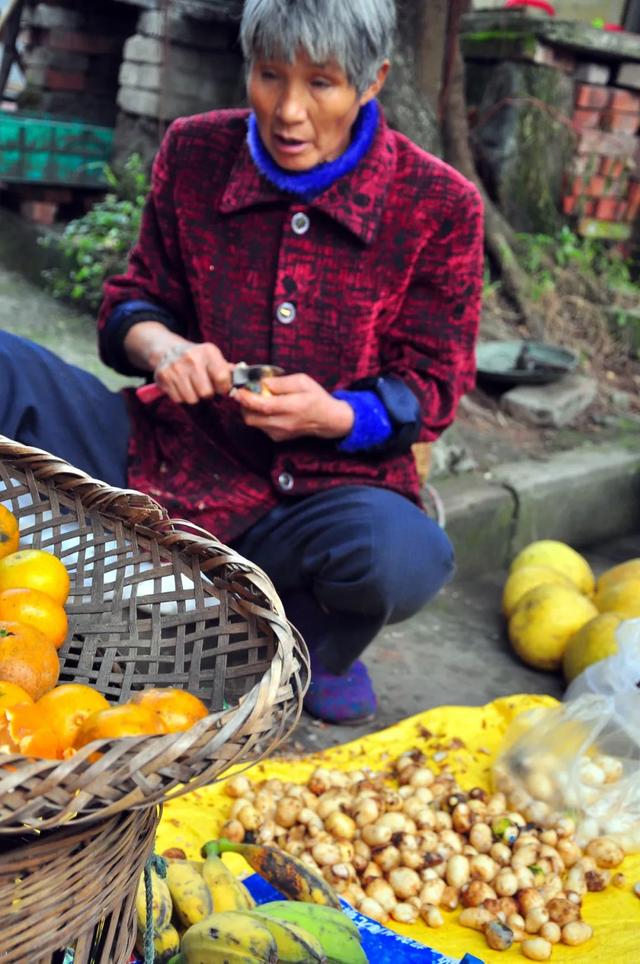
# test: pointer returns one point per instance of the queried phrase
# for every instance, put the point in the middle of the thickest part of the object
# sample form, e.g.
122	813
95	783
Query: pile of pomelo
558	614
37	717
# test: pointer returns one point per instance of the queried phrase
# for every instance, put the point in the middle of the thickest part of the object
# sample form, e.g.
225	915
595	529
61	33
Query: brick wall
72	58
603	184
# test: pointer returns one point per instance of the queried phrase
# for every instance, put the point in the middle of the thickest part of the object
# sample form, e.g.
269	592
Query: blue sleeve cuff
371	426
123	317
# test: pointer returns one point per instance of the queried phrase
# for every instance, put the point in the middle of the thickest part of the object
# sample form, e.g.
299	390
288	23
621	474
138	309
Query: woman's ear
374	89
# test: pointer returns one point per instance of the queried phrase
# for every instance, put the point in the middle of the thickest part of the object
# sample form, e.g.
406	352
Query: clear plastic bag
615	674
578	760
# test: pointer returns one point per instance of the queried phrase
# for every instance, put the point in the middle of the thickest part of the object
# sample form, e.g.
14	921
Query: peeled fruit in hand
9	534
35	608
559	556
123	720
178	710
35	569
27	658
620	573
593	642
620	597
543	622
66	707
12	695
528	577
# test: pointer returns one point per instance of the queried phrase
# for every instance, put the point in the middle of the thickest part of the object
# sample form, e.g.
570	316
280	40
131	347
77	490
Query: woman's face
305	111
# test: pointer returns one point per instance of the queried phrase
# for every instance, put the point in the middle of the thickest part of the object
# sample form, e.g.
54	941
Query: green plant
96	245
541	253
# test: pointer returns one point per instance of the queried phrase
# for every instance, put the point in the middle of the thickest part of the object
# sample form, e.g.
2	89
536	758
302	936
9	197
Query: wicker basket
153	602
74	888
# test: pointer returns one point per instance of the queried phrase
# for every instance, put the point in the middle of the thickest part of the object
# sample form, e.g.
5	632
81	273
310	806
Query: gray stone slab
214	36
628	76
554	405
580	497
479	522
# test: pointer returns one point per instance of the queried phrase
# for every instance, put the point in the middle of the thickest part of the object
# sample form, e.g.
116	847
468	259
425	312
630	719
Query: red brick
588	95
595	186
589	208
584	119
611	167
61	80
608	143
607	209
569	204
620	121
42	212
83	43
624	99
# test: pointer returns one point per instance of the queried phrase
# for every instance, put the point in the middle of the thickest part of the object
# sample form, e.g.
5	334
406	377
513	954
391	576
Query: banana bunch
287	932
166	939
290	876
191	892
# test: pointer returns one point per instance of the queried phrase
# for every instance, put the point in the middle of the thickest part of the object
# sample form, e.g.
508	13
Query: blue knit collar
309	184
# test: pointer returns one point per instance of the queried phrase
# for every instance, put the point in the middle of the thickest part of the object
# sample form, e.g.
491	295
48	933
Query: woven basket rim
242	721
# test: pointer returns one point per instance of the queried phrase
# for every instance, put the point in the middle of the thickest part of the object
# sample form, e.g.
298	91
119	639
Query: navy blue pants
345	562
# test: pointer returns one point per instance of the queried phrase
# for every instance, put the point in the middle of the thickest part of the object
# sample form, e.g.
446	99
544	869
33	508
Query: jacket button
300	223
285	481
286	313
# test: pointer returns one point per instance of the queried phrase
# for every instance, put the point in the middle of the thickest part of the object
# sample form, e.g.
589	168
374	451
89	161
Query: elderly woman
306	234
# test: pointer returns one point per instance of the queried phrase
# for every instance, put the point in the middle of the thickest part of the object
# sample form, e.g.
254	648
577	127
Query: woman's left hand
296	405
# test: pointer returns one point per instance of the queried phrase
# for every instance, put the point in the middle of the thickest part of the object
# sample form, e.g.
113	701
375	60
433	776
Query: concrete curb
581	497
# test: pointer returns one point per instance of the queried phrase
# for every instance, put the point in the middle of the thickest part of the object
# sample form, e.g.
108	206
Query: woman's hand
297	405
189	372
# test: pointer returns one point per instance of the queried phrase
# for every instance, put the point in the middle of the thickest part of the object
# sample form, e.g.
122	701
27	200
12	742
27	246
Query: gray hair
358	34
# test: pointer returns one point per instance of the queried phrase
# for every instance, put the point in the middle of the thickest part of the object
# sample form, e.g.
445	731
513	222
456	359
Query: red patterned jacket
385	279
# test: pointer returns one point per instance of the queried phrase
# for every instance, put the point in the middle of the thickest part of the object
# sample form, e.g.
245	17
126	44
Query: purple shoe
347	700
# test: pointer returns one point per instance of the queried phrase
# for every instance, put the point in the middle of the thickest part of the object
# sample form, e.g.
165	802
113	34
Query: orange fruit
66	707
35	608
178	710
9	534
26	730
27	658
35	569
126	719
12	695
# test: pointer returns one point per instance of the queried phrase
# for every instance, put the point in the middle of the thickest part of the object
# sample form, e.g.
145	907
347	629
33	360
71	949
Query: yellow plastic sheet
614	914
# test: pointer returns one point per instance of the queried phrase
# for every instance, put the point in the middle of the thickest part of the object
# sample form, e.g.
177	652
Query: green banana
295	945
314	915
230	937
189	893
338	935
227	892
290	876
166	940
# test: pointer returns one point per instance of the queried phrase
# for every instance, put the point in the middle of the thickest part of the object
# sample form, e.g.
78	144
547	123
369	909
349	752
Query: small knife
242	376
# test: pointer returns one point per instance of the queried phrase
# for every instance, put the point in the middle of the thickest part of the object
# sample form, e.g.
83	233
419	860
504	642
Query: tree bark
500	238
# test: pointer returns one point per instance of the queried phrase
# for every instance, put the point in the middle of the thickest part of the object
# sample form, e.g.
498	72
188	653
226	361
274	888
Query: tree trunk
407	96
500	238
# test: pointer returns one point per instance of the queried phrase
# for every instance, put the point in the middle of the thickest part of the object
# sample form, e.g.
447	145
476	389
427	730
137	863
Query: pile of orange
38	718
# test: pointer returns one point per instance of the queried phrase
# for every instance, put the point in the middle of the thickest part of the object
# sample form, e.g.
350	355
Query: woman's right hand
189	372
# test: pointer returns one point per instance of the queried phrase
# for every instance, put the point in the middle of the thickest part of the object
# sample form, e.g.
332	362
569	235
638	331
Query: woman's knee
404	558
411	564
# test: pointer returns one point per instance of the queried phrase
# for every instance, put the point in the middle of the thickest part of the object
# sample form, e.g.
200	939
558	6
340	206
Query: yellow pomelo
560	556
593	642
626	570
620	597
526	578
544	621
